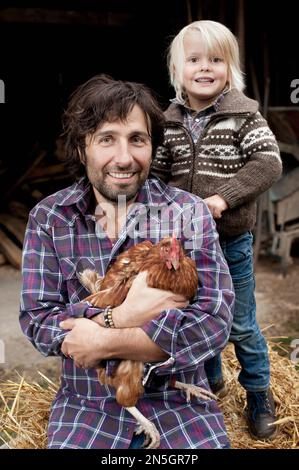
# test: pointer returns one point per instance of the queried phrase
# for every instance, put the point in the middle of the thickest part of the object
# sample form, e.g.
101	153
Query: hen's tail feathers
98	299
105	379
127	381
130	388
90	280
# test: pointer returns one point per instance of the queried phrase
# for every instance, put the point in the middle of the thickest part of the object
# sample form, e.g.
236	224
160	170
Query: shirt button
196	120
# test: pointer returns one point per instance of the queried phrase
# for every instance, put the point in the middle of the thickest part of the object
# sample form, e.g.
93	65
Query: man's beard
111	193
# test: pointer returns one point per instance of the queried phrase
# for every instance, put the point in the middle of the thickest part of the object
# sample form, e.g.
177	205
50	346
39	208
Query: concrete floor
19	354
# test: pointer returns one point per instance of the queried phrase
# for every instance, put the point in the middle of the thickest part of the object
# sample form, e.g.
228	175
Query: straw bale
25	407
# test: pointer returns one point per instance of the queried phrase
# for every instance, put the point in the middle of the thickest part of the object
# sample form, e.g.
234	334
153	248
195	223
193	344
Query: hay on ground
25	407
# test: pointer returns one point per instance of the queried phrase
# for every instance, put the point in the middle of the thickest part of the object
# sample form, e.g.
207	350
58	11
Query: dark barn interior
48	48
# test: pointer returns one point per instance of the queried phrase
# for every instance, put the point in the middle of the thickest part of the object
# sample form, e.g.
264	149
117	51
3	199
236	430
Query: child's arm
162	164
262	166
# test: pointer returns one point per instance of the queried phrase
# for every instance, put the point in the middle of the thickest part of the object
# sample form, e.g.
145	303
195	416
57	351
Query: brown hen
168	268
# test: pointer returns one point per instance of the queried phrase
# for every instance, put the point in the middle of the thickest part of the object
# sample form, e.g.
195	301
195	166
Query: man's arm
89	343
44	299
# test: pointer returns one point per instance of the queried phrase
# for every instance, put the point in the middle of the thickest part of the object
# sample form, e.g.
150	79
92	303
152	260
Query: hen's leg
152	435
90	280
194	390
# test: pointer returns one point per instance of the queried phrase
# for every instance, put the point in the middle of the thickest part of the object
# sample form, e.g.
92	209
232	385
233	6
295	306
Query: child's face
204	75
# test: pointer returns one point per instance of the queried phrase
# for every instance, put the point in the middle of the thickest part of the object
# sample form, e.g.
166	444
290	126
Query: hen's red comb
174	244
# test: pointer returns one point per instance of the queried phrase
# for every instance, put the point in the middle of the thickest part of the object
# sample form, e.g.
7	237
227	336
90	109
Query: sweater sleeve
262	165
162	164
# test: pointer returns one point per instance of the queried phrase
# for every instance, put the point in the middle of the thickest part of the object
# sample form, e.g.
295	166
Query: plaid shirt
61	240
196	121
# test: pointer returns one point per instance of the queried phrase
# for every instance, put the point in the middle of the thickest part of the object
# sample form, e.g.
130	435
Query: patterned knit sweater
236	157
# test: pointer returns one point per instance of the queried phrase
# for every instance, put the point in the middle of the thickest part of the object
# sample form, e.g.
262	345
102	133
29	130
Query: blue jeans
250	345
137	441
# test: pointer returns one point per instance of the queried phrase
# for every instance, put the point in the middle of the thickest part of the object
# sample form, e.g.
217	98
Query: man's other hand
85	342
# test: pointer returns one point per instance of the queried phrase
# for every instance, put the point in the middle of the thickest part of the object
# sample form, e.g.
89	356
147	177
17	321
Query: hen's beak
175	252
175	263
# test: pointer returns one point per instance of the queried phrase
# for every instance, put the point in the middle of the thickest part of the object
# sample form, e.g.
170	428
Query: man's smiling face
118	157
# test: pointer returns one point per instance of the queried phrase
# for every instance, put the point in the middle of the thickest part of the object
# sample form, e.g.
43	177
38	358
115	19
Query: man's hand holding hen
143	304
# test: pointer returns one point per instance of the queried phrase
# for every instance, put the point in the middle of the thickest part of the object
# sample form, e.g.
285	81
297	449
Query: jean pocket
239	256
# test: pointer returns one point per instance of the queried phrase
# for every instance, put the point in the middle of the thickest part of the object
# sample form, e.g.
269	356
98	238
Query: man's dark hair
102	99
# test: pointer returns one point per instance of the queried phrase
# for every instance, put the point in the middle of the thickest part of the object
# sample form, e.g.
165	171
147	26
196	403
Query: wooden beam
41	15
2	259
25	175
18	209
240	22
189	12
289	148
14	225
12	253
47	171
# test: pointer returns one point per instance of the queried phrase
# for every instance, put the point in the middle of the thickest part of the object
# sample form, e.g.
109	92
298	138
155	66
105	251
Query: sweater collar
234	102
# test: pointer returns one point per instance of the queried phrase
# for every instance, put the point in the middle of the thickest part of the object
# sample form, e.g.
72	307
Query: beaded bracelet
108	317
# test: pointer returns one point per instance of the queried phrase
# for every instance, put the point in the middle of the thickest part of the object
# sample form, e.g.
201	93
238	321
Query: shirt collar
150	195
214	107
80	194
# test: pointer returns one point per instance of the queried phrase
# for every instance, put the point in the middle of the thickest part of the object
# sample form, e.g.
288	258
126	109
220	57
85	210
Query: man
112	130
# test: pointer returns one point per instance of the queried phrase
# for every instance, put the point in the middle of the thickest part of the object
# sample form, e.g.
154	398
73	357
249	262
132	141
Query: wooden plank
14	225
285	186
281	126
240	22
283	108
26	175
288	208
10	250
189	12
47	171
255	85
19	209
2	259
289	148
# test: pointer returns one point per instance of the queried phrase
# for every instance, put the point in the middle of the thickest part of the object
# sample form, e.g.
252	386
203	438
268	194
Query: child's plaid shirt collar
195	121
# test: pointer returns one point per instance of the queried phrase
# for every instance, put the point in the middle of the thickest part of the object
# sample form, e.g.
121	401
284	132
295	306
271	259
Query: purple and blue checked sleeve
44	301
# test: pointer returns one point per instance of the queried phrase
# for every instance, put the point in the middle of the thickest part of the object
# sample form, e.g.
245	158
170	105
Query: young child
218	146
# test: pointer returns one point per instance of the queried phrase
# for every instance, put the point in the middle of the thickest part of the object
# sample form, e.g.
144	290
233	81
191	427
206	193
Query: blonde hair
215	36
